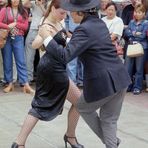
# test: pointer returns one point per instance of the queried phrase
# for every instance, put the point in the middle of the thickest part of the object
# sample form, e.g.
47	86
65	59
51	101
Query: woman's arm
37	43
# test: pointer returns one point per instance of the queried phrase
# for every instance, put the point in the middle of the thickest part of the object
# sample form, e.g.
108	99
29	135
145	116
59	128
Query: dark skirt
51	89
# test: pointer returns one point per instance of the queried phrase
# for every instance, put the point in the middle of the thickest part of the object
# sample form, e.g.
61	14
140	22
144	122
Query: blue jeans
79	72
138	62
15	46
72	69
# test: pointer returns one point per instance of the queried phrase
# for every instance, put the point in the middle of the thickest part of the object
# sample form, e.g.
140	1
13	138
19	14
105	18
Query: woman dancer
52	86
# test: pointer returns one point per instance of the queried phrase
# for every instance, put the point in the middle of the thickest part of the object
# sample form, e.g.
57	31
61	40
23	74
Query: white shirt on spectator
114	25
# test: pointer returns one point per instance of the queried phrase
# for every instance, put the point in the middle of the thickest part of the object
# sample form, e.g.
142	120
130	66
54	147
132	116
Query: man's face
76	18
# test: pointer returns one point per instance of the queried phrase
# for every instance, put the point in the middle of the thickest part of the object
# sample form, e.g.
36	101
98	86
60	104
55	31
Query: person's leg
146	68
129	64
72	69
73	115
27	127
79	73
109	114
30	53
90	116
7	61
19	55
1	67
138	84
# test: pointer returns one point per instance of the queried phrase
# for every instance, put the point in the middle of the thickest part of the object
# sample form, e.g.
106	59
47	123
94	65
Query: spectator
102	10
128	11
136	32
145	3
38	10
2	4
74	67
113	22
17	23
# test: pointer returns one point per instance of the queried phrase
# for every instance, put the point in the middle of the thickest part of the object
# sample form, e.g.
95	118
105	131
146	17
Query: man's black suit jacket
104	73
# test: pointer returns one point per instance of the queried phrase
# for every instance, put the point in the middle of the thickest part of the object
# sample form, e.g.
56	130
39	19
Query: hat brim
66	5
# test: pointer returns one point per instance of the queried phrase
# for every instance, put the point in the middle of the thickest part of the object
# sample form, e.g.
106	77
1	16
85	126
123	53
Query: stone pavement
132	126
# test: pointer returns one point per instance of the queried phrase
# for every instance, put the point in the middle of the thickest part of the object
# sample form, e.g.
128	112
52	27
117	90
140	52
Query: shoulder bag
4	33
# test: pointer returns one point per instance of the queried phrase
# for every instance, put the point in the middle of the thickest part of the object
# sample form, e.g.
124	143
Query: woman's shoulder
118	19
4	9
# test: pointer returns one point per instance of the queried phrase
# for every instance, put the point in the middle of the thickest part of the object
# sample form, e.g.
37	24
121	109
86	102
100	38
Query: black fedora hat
79	5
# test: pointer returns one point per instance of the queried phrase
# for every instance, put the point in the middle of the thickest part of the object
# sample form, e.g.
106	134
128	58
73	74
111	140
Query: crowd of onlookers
127	21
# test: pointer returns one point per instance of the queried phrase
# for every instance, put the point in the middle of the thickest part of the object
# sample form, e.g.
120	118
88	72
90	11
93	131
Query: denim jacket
141	27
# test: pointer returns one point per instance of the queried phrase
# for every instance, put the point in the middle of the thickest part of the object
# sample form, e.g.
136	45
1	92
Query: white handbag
135	50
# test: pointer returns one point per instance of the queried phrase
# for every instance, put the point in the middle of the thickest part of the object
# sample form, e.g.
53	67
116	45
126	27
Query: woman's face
59	13
15	3
139	15
104	3
111	12
2	2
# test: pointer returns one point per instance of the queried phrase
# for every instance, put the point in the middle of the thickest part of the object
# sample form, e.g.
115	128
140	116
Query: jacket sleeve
78	44
128	31
143	34
2	18
22	25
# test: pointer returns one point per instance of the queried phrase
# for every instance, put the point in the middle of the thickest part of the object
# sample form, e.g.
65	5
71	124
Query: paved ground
133	124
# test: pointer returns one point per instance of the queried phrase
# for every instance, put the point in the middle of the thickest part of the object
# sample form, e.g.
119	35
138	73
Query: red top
22	24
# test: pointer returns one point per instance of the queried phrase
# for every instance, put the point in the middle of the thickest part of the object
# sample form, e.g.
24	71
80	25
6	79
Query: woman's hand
12	25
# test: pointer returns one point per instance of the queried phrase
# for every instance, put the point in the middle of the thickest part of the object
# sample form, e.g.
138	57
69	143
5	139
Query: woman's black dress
51	86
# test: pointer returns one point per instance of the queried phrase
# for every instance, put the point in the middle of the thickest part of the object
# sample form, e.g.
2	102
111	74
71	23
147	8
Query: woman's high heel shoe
72	145
8	88
15	145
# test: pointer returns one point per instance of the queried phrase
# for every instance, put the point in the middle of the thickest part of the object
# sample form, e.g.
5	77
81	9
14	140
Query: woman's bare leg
73	116
27	127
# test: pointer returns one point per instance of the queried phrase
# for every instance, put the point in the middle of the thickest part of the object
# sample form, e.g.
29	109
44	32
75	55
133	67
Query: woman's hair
21	10
55	3
145	3
111	4
140	7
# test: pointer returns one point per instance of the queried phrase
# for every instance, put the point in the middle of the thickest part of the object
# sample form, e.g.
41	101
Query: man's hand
45	31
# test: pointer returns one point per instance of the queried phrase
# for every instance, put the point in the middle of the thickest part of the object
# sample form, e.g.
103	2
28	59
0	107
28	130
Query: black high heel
15	145
72	146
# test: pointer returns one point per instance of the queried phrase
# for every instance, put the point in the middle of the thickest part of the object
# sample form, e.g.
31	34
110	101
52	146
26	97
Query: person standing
2	5
38	11
105	77
136	32
17	24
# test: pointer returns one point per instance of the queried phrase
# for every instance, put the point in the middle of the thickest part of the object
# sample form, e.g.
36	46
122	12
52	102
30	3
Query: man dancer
105	77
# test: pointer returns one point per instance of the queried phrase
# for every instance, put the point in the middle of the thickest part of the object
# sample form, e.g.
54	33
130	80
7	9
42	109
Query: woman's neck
15	7
52	20
110	18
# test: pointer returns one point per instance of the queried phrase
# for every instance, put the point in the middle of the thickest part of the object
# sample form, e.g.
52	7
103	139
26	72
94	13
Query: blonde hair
140	7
